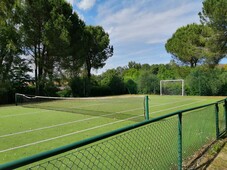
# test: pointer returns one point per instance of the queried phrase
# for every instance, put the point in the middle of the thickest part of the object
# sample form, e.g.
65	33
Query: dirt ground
211	157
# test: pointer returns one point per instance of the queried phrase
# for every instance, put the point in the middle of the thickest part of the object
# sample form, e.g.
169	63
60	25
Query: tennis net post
16	99
146	108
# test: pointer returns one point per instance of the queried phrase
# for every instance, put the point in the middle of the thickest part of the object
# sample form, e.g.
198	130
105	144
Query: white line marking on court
24	114
62	124
84	130
38	112
174	102
67	123
69	134
177	106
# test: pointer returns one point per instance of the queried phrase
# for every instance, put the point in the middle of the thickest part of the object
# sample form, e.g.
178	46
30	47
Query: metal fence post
180	141
217	120
146	108
225	107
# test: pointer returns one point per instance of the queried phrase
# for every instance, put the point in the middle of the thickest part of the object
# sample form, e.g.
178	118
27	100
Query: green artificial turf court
36	127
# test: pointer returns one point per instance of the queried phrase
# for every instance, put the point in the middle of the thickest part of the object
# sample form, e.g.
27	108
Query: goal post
177	88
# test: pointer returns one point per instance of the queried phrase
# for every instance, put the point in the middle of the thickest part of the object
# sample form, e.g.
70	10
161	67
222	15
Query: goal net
172	87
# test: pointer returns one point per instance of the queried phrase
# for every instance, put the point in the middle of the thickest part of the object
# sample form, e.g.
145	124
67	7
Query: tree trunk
36	73
87	80
40	70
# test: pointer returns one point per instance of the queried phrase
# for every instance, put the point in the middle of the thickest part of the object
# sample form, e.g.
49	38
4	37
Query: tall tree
97	48
76	52
187	43
10	39
10	46
214	14
45	26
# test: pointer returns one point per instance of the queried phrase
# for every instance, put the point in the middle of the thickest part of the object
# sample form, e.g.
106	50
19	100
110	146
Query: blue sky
138	29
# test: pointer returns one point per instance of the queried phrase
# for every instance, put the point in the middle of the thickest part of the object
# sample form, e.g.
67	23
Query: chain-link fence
160	143
141	148
222	116
198	129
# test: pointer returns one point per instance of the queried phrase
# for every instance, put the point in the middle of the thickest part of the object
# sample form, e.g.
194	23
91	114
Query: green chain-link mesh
150	146
221	117
153	146
198	129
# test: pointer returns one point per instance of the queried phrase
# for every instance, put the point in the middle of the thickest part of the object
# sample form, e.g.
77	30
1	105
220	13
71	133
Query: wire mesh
153	146
198	129
221	116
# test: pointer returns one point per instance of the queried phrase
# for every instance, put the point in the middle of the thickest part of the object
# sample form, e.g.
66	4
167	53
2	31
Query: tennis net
117	107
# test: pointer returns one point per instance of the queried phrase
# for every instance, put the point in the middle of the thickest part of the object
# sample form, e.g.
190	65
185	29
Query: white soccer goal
172	87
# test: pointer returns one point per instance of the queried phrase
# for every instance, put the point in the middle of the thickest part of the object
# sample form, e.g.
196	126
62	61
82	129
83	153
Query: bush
205	82
100	91
50	89
6	93
148	83
112	80
77	86
67	92
131	86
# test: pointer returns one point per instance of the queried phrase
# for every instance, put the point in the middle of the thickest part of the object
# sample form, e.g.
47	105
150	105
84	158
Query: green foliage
187	43
172	88
73	60
5	92
49	35
45	26
67	92
131	86
133	64
101	91
56	35
148	83
214	14
77	85
166	72
131	73
10	38
205	82
223	81
50	89
19	78
111	79
97	48
13	69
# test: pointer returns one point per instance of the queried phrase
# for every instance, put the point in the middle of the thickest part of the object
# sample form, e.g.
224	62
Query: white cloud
133	24
82	4
86	4
138	29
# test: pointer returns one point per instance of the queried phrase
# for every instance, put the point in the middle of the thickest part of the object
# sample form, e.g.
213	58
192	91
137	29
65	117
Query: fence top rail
62	149
222	101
